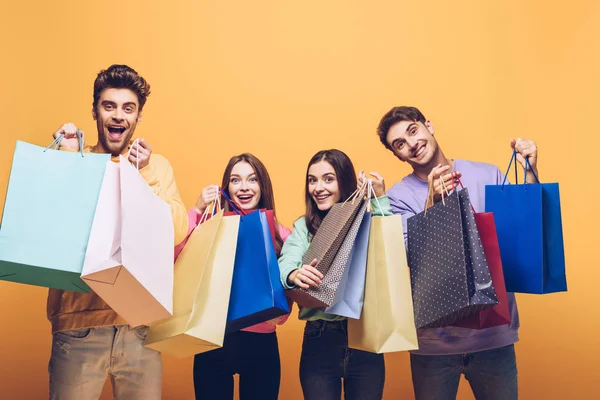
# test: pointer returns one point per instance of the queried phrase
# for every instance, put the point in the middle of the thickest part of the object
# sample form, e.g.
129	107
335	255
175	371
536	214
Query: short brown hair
395	115
121	77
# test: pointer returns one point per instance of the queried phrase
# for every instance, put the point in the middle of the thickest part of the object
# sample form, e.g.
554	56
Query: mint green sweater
297	244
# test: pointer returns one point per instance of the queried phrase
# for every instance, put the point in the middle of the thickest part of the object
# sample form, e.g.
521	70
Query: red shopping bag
500	313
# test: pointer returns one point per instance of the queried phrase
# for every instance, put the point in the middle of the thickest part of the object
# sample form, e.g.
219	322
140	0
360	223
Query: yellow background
284	79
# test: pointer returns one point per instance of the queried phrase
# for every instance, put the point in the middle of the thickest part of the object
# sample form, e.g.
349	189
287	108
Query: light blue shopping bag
48	214
350	295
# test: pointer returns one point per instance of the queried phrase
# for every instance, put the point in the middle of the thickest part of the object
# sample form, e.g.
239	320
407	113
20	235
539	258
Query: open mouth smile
115	132
245	198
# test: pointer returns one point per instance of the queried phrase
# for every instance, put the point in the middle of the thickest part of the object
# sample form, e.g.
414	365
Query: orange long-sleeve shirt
71	310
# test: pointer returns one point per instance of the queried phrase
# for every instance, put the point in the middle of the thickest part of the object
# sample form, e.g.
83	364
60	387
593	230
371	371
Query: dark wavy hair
395	115
346	178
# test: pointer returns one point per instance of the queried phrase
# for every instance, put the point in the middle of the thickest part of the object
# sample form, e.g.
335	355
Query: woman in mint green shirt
326	358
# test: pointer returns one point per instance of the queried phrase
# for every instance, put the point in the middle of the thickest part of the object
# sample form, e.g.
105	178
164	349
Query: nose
244	185
118	115
319	186
411	142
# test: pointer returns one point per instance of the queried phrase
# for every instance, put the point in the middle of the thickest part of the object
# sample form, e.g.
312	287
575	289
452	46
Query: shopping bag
256	291
331	247
203	274
450	275
130	259
387	320
500	313
529	224
48	213
350	294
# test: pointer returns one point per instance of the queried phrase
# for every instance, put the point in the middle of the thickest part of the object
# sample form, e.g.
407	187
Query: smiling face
414	143
243	186
116	115
322	184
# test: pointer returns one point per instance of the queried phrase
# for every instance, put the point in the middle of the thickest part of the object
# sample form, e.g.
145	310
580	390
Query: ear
94	114
430	127
139	117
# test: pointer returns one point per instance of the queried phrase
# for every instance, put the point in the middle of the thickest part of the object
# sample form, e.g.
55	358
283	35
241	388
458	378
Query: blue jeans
492	374
326	360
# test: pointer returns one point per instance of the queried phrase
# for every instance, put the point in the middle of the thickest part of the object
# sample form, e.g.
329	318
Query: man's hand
440	180
70	139
140	153
526	149
377	183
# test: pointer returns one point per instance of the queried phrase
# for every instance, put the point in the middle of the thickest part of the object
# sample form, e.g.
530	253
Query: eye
234	180
253	179
413	131
108	107
399	145
128	109
329	179
312	180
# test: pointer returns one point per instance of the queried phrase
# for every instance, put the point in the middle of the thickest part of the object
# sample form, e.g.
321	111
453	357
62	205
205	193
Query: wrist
292	276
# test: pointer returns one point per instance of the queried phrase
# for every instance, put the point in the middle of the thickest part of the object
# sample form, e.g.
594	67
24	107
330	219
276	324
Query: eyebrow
130	103
410	126
395	142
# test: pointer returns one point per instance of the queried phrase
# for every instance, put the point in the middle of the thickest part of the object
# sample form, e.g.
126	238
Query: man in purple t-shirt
486	357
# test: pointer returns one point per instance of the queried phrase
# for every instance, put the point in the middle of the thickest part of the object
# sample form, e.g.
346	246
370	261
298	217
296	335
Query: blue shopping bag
529	226
48	214
350	295
256	291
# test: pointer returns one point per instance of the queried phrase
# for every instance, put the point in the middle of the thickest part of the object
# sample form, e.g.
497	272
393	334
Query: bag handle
59	138
430	194
137	152
210	211
527	167
236	207
462	187
356	194
370	191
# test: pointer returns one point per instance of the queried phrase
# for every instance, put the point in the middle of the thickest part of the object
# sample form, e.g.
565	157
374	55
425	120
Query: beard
113	148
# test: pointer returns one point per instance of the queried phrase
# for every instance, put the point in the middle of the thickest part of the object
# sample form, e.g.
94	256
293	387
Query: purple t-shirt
408	198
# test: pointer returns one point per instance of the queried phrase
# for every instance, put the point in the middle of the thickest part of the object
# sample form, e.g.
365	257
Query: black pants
326	360
254	356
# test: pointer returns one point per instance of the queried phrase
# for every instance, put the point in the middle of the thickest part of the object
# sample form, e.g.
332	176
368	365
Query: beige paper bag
387	321
203	274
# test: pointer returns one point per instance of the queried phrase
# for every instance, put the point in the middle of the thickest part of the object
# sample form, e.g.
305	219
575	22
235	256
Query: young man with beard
89	340
486	357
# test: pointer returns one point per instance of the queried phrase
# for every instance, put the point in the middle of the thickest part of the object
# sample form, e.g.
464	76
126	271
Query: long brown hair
267	198
346	178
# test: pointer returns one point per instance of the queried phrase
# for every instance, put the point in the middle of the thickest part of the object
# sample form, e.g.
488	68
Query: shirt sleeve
292	252
159	175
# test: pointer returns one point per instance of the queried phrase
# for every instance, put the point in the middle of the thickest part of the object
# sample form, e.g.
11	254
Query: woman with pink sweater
253	352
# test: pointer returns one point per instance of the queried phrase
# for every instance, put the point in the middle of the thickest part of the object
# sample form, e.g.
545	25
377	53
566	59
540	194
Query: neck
423	171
